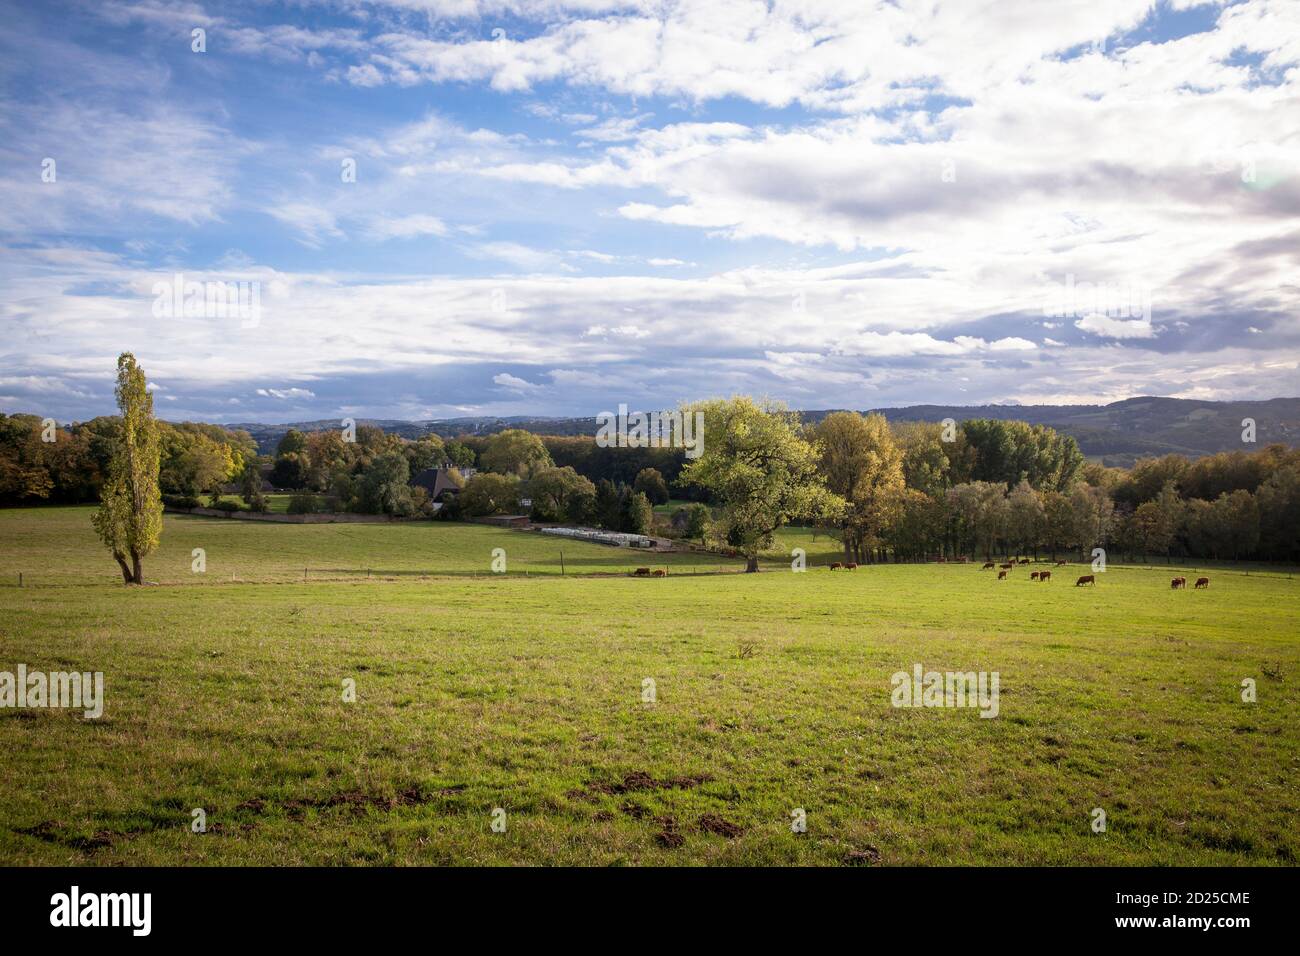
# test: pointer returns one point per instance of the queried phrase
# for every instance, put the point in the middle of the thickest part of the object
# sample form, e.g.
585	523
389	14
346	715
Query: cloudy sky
465	207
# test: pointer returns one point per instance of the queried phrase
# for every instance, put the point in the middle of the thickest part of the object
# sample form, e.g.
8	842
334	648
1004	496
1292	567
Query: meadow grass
772	693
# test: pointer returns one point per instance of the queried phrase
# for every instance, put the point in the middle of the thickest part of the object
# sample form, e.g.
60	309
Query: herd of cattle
1083	579
1002	573
1003	569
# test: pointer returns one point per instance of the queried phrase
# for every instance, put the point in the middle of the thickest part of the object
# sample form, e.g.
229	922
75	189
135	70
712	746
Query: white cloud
1115	328
287	394
900	344
406	227
514	383
313	223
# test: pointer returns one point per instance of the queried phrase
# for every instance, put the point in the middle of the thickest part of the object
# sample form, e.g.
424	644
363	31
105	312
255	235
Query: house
437	482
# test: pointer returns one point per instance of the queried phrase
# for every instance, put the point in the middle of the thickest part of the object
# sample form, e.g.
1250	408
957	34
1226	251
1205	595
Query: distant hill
1116	434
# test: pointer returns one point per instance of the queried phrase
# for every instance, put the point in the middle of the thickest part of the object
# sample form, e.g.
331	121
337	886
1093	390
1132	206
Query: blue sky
564	205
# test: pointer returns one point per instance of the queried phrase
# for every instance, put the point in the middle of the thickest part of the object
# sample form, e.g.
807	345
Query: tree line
902	491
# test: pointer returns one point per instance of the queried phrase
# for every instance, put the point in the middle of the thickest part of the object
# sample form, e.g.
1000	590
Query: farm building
437	482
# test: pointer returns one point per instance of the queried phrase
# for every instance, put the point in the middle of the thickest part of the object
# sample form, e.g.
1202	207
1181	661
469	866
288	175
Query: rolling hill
1117	434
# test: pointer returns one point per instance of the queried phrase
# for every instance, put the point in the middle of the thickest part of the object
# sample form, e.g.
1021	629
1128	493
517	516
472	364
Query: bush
181	501
638	517
224	505
258	503
304	503
696	521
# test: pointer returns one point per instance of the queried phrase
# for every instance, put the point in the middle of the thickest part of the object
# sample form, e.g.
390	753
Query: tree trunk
751	564
137	571
121	562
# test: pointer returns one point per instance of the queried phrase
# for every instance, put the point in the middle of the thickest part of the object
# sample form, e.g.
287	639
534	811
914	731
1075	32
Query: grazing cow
1044	575
1202	582
1024	560
1061	564
987	565
1002	575
835	566
1178	583
642	572
1033	575
1086	579
660	572
1008	566
850	566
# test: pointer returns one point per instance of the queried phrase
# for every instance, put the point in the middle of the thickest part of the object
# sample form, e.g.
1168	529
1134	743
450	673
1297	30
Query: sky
442	208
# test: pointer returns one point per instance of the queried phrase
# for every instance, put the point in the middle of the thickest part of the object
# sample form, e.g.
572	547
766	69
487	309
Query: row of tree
40	461
887	491
983	487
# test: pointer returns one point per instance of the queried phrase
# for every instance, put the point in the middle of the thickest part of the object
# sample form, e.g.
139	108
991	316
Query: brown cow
1202	582
1008	566
1002	575
987	565
660	573
850	566
1061	564
1086	579
1044	575
835	566
1024	560
1033	576
642	572
1178	583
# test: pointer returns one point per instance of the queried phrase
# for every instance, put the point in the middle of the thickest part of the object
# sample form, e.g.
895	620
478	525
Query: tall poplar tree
129	519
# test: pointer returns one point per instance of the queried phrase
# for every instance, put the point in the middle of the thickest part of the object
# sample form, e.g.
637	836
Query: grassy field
51	546
772	693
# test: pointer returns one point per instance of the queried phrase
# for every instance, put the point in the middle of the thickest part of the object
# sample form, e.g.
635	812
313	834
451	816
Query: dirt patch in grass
635	810
867	856
668	836
51	831
712	823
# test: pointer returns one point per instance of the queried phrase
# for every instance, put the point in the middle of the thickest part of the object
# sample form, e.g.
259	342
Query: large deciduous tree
515	452
761	472
650	482
489	494
561	494
129	519
864	466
